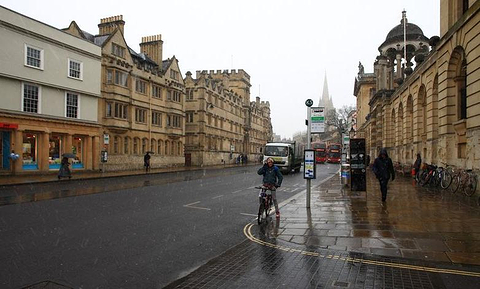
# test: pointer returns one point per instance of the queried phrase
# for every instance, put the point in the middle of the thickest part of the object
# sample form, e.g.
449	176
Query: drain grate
341	284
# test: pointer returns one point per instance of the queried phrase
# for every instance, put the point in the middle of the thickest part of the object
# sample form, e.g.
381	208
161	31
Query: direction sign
317	119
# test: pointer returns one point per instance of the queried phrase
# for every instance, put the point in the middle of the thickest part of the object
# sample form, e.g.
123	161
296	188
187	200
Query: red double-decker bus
320	152
334	153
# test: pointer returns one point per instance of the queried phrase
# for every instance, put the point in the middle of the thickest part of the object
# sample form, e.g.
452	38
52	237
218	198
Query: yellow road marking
247	231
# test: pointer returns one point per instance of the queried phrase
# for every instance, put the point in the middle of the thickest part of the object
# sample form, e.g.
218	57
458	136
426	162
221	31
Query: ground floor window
77	150
54	152
29	151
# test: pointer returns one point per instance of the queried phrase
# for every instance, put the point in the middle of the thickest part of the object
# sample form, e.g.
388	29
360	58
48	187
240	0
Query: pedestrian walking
146	161
383	169
64	171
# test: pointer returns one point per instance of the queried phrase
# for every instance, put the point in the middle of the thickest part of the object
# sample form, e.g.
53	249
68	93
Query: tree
337	121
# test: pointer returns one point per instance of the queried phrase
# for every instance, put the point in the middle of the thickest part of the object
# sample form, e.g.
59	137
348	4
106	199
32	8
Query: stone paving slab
253	265
414	222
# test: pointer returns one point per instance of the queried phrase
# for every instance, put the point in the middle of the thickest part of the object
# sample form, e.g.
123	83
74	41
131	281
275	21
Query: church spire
326	100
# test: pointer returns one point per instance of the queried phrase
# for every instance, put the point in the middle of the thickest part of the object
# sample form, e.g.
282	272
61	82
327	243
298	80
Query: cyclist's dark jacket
271	175
383	167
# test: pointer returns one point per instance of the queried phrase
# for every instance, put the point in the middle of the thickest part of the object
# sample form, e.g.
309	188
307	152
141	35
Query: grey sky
285	46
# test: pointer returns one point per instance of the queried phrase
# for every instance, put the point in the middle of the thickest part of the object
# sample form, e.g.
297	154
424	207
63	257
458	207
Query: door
4	150
188	159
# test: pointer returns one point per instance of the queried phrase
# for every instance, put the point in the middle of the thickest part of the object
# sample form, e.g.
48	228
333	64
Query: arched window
135	145
409	119
422	115
167	146
400	125
126	141
393	129
144	146
153	145
159	147
116	145
462	90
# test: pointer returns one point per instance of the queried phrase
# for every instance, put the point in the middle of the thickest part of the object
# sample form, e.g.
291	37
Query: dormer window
117	50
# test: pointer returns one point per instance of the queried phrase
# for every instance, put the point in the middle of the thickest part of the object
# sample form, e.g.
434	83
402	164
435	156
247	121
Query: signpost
308	103
317	120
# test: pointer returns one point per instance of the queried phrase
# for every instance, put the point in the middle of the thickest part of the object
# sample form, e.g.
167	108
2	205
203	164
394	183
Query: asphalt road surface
130	232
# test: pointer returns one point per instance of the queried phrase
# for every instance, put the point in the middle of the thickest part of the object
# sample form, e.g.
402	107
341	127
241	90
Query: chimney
152	46
108	25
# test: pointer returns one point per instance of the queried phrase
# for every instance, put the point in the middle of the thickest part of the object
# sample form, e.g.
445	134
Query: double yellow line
247	231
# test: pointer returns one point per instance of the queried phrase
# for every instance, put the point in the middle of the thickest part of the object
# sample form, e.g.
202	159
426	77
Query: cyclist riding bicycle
272	178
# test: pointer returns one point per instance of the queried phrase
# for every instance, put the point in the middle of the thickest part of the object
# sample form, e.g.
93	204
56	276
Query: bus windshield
276	151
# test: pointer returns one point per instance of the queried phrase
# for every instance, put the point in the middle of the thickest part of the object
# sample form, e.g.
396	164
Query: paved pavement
417	239
32	178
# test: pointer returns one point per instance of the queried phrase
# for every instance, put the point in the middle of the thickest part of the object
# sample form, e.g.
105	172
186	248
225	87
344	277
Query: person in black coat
383	169
146	162
417	164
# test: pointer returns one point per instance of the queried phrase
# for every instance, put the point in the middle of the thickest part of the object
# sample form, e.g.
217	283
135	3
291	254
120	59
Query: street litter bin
345	174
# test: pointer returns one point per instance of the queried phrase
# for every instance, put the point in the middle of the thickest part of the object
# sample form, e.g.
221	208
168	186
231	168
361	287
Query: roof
414	33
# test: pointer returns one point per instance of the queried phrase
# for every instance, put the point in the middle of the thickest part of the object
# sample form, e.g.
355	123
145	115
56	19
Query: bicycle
446	176
265	203
468	182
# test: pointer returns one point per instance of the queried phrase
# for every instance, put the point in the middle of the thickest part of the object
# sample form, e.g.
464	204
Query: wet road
129	232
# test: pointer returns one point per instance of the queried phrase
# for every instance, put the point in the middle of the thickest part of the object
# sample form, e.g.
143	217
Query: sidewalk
413	223
24	178
417	239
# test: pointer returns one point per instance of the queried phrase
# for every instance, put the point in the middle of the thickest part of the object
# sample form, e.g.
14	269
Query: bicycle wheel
422	179
260	213
471	185
446	177
455	184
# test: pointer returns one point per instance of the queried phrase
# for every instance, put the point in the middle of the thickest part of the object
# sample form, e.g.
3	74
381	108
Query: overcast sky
287	47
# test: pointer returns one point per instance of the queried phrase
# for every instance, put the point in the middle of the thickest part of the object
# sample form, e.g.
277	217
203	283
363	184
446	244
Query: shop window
29	151
77	150
54	152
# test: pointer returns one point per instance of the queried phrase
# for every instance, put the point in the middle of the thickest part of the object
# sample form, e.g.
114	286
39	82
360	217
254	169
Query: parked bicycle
266	202
464	181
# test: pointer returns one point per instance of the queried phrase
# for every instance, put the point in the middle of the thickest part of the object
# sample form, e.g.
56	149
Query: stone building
49	96
431	107
142	99
221	122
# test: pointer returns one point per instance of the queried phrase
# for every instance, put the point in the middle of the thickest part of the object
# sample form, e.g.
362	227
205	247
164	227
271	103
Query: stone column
95	153
68	143
88	153
17	146
43	152
399	66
